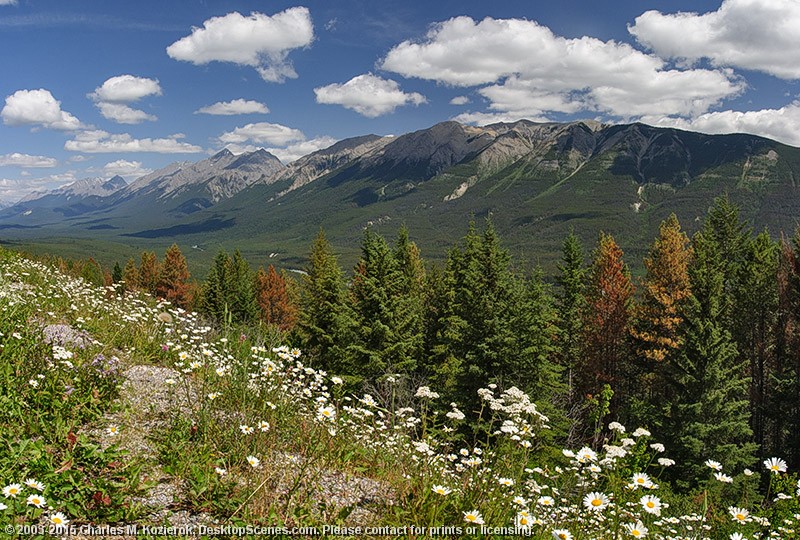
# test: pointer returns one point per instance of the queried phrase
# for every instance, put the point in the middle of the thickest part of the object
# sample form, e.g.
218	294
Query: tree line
704	349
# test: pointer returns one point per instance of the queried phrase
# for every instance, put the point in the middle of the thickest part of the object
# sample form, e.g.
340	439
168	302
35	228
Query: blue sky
96	88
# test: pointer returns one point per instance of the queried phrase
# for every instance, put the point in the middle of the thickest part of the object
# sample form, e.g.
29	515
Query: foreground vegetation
247	409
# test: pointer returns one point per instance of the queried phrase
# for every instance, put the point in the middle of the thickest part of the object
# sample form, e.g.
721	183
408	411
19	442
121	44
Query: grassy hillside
123	411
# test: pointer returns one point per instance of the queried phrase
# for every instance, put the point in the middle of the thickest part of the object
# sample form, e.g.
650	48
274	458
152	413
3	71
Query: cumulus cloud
459	100
531	71
122	114
27	161
297	150
780	124
111	98
126	89
100	142
236	106
37	108
125	168
262	133
8	2
14	189
747	34
368	95
259	41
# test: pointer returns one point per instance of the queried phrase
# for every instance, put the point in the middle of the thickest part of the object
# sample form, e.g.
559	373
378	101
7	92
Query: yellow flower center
563	536
650	504
57	520
740	517
597	502
636	533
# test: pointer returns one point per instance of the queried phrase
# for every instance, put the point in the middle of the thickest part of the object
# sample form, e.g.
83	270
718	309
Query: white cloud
532	72
27	161
125	168
8	2
14	189
237	106
126	89
483	118
122	114
780	124
459	100
259	41
37	108
99	142
79	159
368	95
750	34
262	133
111	98
298	150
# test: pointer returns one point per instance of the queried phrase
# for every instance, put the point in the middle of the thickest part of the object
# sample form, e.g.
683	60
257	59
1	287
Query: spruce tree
570	303
708	415
244	307
325	321
116	273
216	298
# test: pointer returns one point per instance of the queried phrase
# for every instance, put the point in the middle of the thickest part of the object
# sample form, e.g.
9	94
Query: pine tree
606	319
149	270
274	300
173	280
92	272
658	326
325	320
410	297
708	415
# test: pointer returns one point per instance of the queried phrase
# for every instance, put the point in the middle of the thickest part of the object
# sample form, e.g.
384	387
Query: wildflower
263	425
523	520
441	490
35	500
246	430
473	516
562	534
586	454
3	506
58	519
170	381
666	462
776	465
651	504
34	484
425	392
12	490
641	480
220	471
595	501
113	430
658	447
519	501
545	500
505	482
337	381
637	530
616	426
724	478
736	536
740	515
34	383
253	461
715	465
213	395
641	432
326	413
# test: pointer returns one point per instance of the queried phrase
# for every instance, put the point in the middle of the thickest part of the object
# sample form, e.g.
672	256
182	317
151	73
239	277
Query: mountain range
536	180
